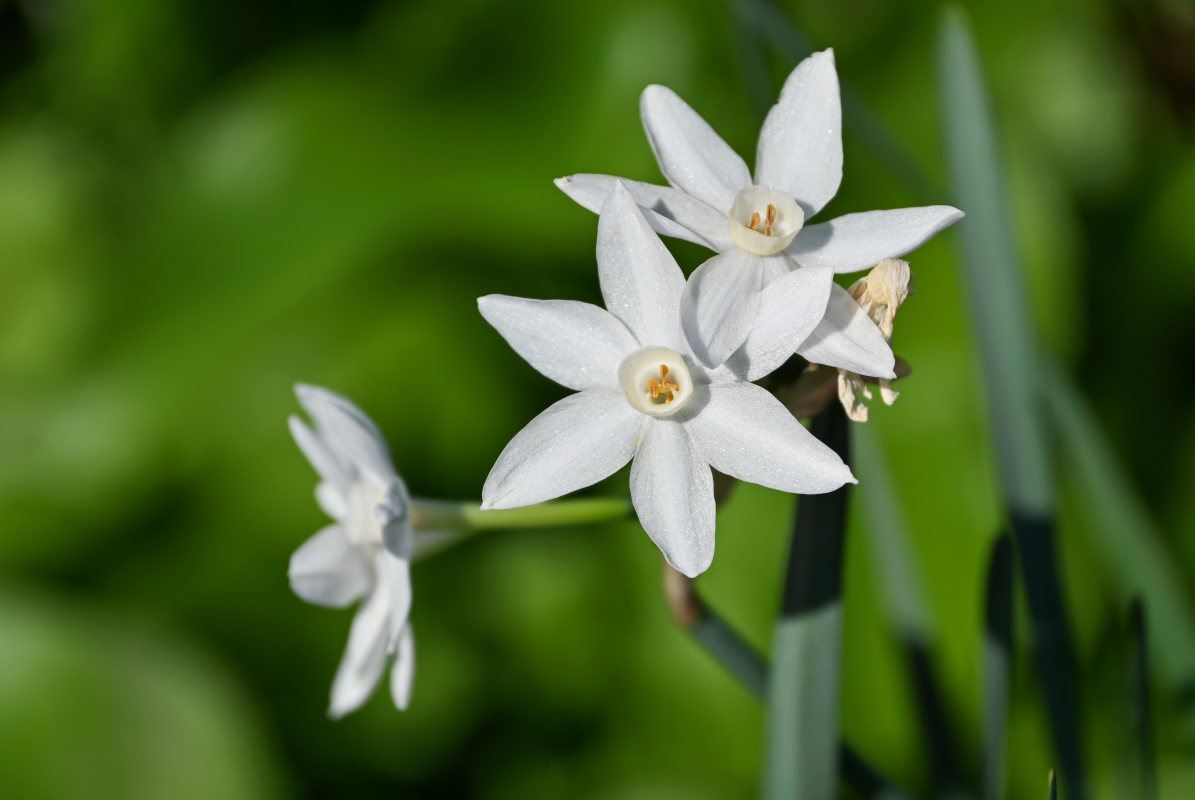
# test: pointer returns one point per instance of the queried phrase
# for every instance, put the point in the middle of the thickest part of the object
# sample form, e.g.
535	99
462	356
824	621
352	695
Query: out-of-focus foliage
204	202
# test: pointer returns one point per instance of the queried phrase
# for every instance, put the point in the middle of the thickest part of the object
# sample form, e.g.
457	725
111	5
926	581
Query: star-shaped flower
641	395
365	553
758	226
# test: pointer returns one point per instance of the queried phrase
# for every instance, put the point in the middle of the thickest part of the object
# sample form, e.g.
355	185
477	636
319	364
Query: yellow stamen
771	219
664	387
754	221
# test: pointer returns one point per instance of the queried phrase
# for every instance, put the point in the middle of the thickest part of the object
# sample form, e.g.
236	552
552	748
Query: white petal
396	573
321	457
847	338
576	344
355	682
790	308
576	442
747	433
860	241
403	674
348	432
332	500
800	145
365	655
720	303
691	155
641	282
329	571
669	211
673	492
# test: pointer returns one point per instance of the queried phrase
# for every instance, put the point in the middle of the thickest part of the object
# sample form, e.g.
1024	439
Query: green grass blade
997	667
1131	547
1010	368
993	274
746	665
749	33
900	589
1142	715
801	759
888	536
1052	787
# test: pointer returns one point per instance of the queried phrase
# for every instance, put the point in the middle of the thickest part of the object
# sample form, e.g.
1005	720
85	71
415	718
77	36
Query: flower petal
747	433
328	570
403	674
641	282
800	145
396	573
576	442
365	655
673	493
719	304
691	155
669	211
790	308
348	432
576	344
847	338
322	458
860	241
332	500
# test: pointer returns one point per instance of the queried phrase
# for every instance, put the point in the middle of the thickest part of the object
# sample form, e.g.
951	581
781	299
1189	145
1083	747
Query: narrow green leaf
738	657
1142	716
1120	529
887	534
993	273
745	663
749	32
900	587
801	759
1053	787
1010	368
997	666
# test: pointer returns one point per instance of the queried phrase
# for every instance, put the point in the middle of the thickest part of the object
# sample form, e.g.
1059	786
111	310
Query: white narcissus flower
365	553
758	226
640	395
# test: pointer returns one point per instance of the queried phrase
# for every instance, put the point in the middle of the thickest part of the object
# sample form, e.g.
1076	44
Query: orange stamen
664	387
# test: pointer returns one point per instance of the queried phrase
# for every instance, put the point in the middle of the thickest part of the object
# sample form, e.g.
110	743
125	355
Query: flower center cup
764	220
656	381
362	526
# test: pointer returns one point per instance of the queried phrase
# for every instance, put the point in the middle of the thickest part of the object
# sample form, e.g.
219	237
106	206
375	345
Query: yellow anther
767	231
663	387
754	221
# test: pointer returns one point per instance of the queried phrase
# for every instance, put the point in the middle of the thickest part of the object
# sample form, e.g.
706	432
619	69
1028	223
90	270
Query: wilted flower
758	226
365	553
879	294
641	395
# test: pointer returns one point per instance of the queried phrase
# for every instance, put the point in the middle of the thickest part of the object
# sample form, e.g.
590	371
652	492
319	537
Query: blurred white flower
365	553
758	227
641	395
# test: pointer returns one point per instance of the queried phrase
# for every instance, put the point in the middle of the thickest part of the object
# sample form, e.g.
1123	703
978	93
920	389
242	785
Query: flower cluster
662	377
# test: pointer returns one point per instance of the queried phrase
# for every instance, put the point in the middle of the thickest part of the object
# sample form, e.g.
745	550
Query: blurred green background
202	203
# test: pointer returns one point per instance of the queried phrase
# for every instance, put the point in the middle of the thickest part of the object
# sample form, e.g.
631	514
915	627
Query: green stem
439	524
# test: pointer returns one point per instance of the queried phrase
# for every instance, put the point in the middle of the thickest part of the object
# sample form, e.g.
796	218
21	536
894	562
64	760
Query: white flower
365	553
641	395
758	227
